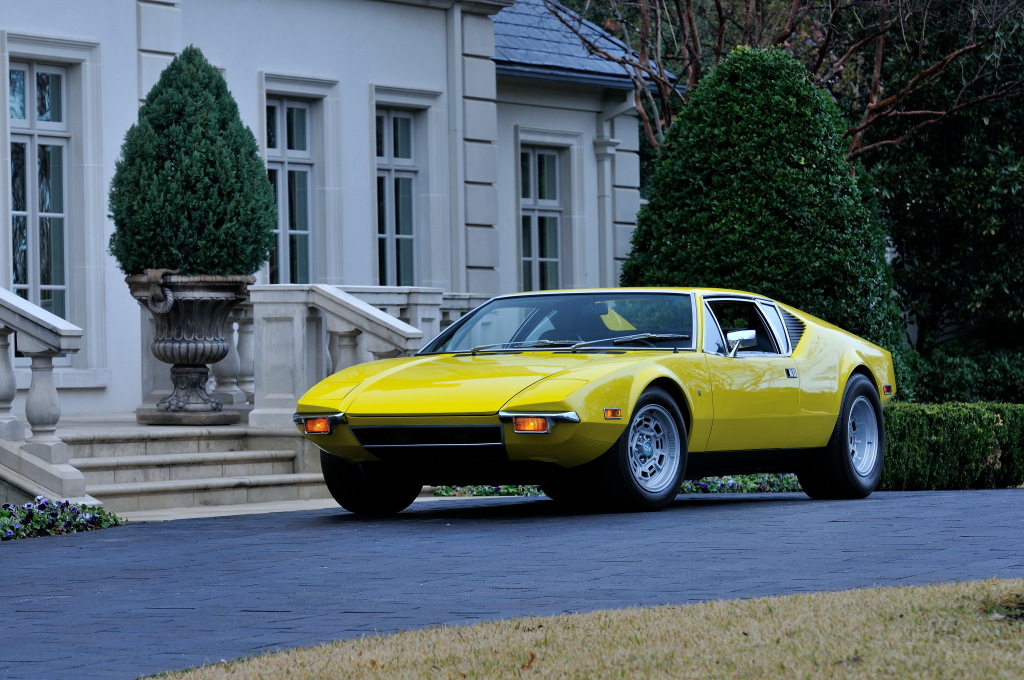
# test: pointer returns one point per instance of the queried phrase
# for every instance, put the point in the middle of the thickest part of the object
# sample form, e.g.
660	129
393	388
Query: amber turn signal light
530	424
317	426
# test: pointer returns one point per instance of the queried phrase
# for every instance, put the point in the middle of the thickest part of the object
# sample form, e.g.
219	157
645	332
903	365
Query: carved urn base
190	313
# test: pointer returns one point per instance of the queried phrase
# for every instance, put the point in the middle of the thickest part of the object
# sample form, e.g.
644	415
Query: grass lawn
963	630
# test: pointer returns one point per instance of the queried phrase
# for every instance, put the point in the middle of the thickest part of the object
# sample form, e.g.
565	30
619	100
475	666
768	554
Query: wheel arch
678	396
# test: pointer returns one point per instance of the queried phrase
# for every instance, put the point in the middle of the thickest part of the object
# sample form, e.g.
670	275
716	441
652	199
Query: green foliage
954	204
753	192
952	197
969	372
49	518
953	446
190	191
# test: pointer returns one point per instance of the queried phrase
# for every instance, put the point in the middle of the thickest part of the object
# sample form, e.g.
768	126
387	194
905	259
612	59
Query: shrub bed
953	446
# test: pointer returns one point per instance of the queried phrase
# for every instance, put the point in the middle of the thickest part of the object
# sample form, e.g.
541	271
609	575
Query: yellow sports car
607	398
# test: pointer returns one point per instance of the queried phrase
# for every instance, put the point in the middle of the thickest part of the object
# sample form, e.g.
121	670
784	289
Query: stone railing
289	336
37	464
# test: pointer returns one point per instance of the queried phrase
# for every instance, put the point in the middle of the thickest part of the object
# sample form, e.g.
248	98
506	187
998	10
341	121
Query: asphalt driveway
144	598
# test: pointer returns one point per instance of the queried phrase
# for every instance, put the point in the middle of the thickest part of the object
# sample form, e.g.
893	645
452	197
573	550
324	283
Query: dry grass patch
964	630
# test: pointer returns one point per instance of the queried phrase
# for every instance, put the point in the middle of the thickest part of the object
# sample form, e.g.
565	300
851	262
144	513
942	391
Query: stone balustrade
40	461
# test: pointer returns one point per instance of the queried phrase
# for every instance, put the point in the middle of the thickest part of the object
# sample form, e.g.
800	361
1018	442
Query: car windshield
573	321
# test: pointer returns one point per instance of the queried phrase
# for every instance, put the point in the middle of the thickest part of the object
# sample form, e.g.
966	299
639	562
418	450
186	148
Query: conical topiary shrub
190	191
194	215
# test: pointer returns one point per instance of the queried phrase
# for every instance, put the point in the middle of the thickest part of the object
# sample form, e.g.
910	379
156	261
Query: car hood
461	384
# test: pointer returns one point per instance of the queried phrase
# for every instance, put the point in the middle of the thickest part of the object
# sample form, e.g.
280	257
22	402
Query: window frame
534	208
283	161
34	135
781	344
391	169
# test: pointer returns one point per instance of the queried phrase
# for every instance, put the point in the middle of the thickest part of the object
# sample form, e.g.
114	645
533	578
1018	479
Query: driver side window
737	315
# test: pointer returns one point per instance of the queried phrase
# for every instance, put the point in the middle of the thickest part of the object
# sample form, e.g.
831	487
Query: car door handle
790	372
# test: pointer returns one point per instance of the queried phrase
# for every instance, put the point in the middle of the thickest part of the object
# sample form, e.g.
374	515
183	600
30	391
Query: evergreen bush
953	446
190	191
753	191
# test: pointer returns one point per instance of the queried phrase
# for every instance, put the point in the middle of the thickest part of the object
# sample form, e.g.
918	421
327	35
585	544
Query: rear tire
373	489
851	463
644	469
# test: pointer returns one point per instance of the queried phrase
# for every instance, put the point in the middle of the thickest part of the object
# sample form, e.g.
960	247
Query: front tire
644	469
373	489
852	461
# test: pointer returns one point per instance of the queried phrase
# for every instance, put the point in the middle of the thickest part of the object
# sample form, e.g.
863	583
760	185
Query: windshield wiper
636	337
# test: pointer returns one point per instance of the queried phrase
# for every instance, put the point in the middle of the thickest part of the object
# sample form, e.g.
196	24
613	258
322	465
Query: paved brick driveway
144	598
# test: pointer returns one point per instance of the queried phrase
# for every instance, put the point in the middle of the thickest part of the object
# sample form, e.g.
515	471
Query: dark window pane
53	301
51	251
299	251
48	98
382	205
404	264
547	177
403	205
548	275
18	181
380	136
298	200
271	127
524	175
527	275
402	129
382	261
275	267
51	178
19	242
547	237
16	103
527	229
296	121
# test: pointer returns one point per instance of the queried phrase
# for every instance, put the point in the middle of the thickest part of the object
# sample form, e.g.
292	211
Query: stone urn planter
190	313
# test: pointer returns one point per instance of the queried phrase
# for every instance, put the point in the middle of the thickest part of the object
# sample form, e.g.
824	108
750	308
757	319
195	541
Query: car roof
703	292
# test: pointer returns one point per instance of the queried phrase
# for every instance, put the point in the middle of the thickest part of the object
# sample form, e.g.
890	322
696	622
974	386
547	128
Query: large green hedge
953	446
753	191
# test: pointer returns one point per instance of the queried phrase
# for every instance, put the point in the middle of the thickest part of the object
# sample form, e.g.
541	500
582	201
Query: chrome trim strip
563	417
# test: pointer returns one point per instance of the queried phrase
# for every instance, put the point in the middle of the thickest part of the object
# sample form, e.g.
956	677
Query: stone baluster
42	406
343	348
11	428
245	346
226	370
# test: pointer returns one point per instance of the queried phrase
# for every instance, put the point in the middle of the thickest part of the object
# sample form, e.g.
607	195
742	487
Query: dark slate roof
530	41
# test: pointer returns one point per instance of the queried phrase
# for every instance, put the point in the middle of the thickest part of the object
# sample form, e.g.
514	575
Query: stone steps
195	467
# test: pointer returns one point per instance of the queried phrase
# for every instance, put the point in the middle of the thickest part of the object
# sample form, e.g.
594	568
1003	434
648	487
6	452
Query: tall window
290	169
540	217
40	136
396	192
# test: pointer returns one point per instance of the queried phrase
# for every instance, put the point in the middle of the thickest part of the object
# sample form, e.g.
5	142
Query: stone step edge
179	459
106	491
72	437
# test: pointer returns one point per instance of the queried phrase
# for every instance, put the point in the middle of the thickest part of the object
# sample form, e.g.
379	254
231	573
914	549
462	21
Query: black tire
851	463
571	488
644	469
374	489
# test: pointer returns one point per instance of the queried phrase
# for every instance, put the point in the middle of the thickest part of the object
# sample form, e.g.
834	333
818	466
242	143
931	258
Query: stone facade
468	118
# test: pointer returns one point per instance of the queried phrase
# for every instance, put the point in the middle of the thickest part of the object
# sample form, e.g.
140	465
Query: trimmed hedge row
953	446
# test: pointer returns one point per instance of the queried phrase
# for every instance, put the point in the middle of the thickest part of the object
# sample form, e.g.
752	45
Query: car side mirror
737	339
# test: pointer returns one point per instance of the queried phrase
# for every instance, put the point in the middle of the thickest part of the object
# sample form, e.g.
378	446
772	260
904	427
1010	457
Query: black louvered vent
794	327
